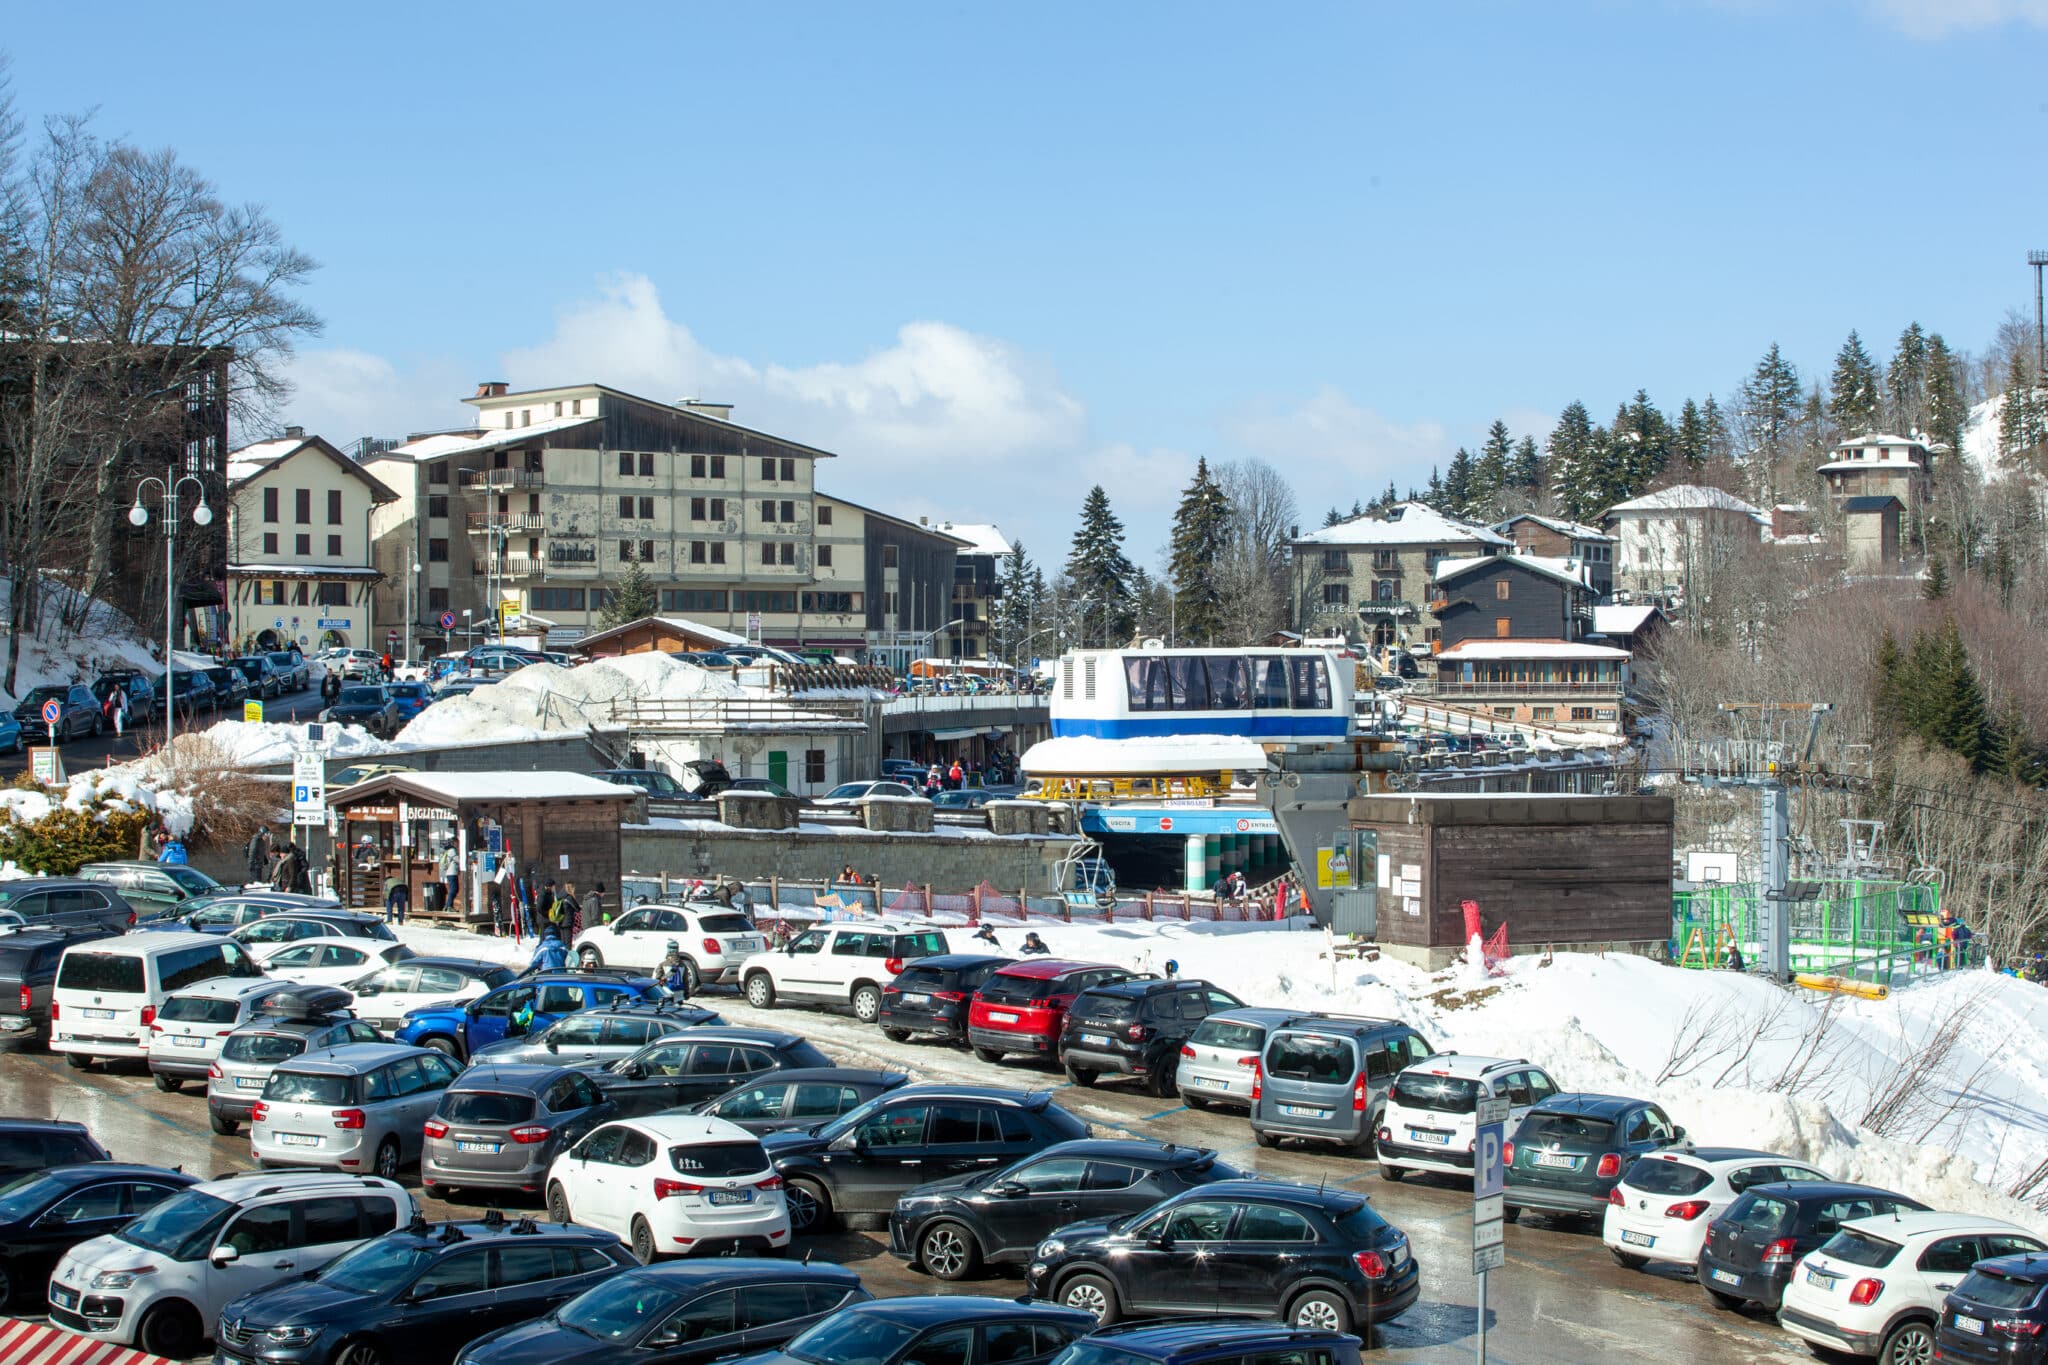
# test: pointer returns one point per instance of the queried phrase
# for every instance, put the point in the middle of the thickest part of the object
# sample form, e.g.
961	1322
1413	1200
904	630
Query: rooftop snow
1405	523
434	447
250	460
1564	570
1621	620
981	539
1577	530
507	786
1881	439
1834	465
1529	649
1685	497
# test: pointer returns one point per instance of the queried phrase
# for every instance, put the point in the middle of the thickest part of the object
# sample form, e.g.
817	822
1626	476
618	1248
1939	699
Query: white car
387	995
712	939
1661	1209
840	964
161	1281
846	793
1876	1287
1431	1120
186	1036
328	961
673	1184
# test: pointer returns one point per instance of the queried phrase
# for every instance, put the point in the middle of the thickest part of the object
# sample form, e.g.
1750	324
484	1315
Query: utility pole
2039	260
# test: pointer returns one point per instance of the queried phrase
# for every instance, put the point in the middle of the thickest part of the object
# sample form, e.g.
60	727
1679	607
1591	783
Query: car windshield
264	1049
199	1009
362	696
1655	1175
25	1194
848	789
619	1307
182	1227
1997	1291
1440	1094
299	1087
1860	1249
851	1339
43	694
486	1106
380	1266
718	1159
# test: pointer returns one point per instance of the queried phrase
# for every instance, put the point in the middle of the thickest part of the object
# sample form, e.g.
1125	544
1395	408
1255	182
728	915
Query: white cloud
343	394
1333	450
1938	18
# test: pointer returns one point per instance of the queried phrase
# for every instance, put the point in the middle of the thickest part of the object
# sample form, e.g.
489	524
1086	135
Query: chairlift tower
1774	854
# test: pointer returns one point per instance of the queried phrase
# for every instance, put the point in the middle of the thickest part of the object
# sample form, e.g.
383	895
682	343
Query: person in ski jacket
549	955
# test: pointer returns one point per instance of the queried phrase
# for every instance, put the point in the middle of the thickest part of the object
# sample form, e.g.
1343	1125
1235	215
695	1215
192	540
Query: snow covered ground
1734	1059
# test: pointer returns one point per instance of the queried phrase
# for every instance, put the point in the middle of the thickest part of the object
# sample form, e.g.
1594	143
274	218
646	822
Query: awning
968	733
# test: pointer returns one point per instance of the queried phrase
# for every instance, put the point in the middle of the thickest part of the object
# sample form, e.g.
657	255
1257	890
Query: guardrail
690	714
1607	692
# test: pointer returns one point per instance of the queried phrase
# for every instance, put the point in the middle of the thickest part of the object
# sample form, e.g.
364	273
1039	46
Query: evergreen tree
1816	430
1884	686
1642	447
1689	438
2019	420
1490	470
1357	508
1332	517
1935	586
2010	751
1947	408
1856	399
1101	573
1913	696
1767	407
1435	495
1201	526
1570	449
1956	713
1525	471
1720	441
1458	484
632	600
1016	612
1906	383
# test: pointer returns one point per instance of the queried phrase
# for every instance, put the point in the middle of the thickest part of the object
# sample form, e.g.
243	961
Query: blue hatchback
411	697
461	1028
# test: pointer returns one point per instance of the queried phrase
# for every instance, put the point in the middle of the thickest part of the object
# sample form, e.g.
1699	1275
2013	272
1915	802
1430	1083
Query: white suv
1661	1209
1431	1119
712	939
161	1281
1876	1287
186	1036
840	964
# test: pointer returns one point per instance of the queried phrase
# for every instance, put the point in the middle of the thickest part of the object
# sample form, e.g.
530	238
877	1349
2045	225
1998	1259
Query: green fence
1847	922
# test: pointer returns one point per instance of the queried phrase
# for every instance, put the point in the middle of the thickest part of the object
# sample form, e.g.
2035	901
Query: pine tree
1332	517
1016	611
1884	686
1101	573
1720	441
1914	695
1935	586
2019	420
1767	406
1357	508
1459	484
1856	397
1956	711
1817	431
1490	470
1642	446
1689	438
1435	496
632	600
1525	471
1947	408
2010	751
1201	526
1570	449
1906	383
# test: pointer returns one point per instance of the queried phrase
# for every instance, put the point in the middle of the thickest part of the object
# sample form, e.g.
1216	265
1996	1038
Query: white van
108	990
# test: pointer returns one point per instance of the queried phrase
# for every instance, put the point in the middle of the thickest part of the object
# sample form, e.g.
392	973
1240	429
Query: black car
66	903
28	968
33	1144
1212	1343
936	1331
677	1313
1751	1248
192	692
700	1064
863	1161
46	1213
1311	1257
952	1227
1570	1152
1135	1028
366	705
140	688
931	995
230	686
78	713
421	1293
1997	1315
291	668
261	675
802	1097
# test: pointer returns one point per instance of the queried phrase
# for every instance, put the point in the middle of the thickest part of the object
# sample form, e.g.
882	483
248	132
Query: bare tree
1251	573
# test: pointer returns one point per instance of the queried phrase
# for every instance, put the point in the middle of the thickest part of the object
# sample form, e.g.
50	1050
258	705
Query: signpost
252	712
1489	1181
309	788
47	764
53	711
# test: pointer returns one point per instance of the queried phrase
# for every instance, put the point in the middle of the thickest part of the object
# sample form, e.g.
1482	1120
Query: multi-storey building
1559	538
298	528
1675	534
1375	574
977	588
1876	465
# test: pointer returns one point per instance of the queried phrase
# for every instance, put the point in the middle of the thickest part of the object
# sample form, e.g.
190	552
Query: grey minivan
360	1108
501	1127
1325	1077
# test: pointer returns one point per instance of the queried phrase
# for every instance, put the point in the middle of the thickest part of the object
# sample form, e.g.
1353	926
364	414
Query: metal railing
503	478
715	714
480	522
1603	691
522	566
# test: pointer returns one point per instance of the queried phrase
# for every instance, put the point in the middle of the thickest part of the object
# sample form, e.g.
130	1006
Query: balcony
503	478
522	566
481	523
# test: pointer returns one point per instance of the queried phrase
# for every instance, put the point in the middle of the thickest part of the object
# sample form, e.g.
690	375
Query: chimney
492	388
705	408
295	433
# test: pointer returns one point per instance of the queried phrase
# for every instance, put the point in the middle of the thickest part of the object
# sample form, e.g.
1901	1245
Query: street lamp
168	488
411	623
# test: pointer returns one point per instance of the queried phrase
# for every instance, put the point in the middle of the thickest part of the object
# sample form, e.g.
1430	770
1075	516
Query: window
575	407
334	507
693	599
1201	1221
625	551
302	506
888	556
1582	713
718	466
334	547
1060	1175
626	462
767	469
647	509
1264	1223
646	552
556	599
1500	589
697	552
768	509
824	514
696	466
718	552
437	504
437	551
626	509
260	1231
789	471
332	595
718	509
788	511
832	602
437	599
767	552
526	417
1336	594
508	419
1543	713
1383	590
299	594
1503	628
646	464
696	509
270	504
465	1272
1336	561
824	556
437	473
789	552
302	545
814	765
270	542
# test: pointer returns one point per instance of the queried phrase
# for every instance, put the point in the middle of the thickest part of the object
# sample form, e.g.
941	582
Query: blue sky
994	254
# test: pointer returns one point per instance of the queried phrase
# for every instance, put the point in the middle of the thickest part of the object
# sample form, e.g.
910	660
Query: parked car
13	739
1219	1062
230	686
328	961
410	698
762	784
28	971
907	770
1313	1257
366	705
699	1064
78	713
49	1211
1876	1287
1195	1342
931	995
143	702
847	793
109	990
677	1313
1665	1202
656	784
1750	1250
66	904
713	940
192	693
673	1185
226	911
301	1021
28	1145
500	1127
930	1330
296	926
951	1228
260	675
1430	1122
359	1107
1996	1315
864	1160
186	1036
151	889
1136	1028
967	798
456	1028
363	772
291	668
161	1281
387	995
354	663
798	1097
1023	1007
839	964
1568	1154
597	1037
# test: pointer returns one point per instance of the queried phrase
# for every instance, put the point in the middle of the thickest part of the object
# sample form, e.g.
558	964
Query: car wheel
989	1055
558	1203
810	1208
1392	1174
99	725
1161	1083
896	1035
387	1158
221	1123
1627	1259
1727	1303
172	1330
361	1352
1091	1294
170	1085
1911	1343
1321	1311
643	1241
589	956
760	991
1196	1101
1510	1214
1266	1139
444	1046
693	980
77	1061
1081	1075
6	1289
867	1004
948	1251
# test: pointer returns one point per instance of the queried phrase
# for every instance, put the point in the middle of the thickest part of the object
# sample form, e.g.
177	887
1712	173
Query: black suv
677	1313
699	1064
1311	1257
952	1227
28	968
861	1162
1997	1315
1572	1150
1135	1028
44	1215
33	1144
927	1331
420	1293
65	903
150	889
1751	1249
1212	1343
802	1097
931	995
263	679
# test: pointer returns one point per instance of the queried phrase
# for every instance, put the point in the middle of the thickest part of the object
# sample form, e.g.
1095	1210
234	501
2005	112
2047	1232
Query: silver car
596	1038
235	1080
1220	1060
501	1127
361	1108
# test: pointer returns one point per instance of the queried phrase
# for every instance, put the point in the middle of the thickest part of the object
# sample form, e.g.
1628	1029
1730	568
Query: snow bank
547	699
265	743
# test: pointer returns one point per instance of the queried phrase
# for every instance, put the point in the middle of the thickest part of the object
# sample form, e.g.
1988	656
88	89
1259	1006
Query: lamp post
168	488
411	622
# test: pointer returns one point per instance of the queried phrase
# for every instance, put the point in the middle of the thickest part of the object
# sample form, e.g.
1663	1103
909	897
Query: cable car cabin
1269	695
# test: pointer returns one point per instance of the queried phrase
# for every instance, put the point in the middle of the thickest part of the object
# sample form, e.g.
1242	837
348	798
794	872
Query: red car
1023	1007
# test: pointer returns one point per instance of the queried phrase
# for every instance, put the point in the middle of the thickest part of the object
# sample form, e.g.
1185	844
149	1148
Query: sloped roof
1686	497
254	459
1577	530
1617	619
681	625
981	539
1568	571
462	443
1405	523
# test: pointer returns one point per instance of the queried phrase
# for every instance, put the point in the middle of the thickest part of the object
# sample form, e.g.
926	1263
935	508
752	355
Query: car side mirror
1677	1133
1007	1189
554	1046
634	1071
1159	1241
225	1256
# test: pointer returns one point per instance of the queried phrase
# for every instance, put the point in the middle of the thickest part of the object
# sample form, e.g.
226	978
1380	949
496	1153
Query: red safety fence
30	1343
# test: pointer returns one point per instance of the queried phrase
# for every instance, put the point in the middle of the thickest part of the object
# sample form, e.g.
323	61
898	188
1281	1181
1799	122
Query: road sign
1490	1209
1487	1176
47	765
53	710
1487	1234
309	789
1492	1258
252	712
1492	1109
447	620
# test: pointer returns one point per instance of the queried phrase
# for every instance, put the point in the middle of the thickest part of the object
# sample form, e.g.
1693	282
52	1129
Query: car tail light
1865	1293
1358	1094
950	997
53	1005
259	1113
528	1134
1610	1166
2015	1327
348	1118
773	1182
1137	1033
149	1014
434	1128
24	1002
711	946
1258	1079
1370	1264
1614	1198
669	1189
892	965
213	1071
1252	1062
1507	1154
1779	1252
1689	1210
156	1028
1044	1004
1187	1051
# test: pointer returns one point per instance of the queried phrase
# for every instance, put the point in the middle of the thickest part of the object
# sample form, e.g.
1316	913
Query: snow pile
107	790
57	656
267	743
546	699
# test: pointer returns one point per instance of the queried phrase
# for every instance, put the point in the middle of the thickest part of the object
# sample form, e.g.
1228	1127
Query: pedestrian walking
594	907
257	856
330	687
569	912
451	874
115	708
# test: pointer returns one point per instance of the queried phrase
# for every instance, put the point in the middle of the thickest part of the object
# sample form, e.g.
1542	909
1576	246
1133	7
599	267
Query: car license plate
97	1014
1637	1239
1101	1039
62	1297
1398	1257
491	1147
1821	1280
186	1040
1434	1139
1302	1111
732	1196
248	1082
1002	1016
1210	1082
1974	1326
1724	1276
1553	1161
298	1140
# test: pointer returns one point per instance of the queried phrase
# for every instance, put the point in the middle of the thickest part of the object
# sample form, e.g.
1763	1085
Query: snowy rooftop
1405	523
1622	620
456	787
251	460
1878	438
1577	530
981	539
1685	497
462	443
681	624
1529	649
1564	570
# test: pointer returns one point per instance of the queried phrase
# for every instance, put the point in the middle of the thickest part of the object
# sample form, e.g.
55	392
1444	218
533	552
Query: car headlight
1049	1248
121	1279
291	1336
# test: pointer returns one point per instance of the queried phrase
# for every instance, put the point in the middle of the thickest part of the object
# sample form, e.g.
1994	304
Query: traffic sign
1491	1258
53	711
1489	1209
309	789
447	620
252	712
1487	1234
1493	1109
1488	1178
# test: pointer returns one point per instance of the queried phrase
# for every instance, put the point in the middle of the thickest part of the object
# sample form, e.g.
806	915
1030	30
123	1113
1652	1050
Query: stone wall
946	859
